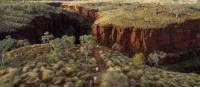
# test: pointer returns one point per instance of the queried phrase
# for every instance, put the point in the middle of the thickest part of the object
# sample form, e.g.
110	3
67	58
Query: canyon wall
180	41
175	38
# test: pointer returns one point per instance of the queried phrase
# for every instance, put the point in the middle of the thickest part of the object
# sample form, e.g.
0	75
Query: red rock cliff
174	38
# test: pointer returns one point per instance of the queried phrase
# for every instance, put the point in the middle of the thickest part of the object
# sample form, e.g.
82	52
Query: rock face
86	12
174	38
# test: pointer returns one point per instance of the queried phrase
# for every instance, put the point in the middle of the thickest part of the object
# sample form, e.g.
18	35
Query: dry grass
27	51
145	16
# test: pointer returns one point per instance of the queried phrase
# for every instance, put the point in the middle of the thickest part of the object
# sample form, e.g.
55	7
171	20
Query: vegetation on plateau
145	16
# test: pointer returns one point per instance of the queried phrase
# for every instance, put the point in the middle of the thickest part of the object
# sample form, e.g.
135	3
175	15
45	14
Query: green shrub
114	78
9	43
62	43
47	37
58	48
21	43
87	42
139	59
69	39
87	39
61	46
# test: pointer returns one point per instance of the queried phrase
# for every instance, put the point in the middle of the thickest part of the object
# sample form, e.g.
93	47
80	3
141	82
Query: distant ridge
170	1
158	1
124	1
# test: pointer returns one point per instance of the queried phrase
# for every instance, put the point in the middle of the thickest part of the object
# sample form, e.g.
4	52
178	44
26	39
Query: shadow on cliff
58	24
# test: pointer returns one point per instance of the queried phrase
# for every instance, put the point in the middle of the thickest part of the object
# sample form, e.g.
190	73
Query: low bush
21	43
87	39
47	37
58	48
61	46
139	59
114	78
69	39
156	56
9	43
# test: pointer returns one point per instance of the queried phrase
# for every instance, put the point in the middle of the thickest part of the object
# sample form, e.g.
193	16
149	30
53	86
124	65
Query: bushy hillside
15	15
62	64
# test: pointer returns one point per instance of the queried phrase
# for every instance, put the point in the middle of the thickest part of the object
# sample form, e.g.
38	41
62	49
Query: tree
58	48
61	46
